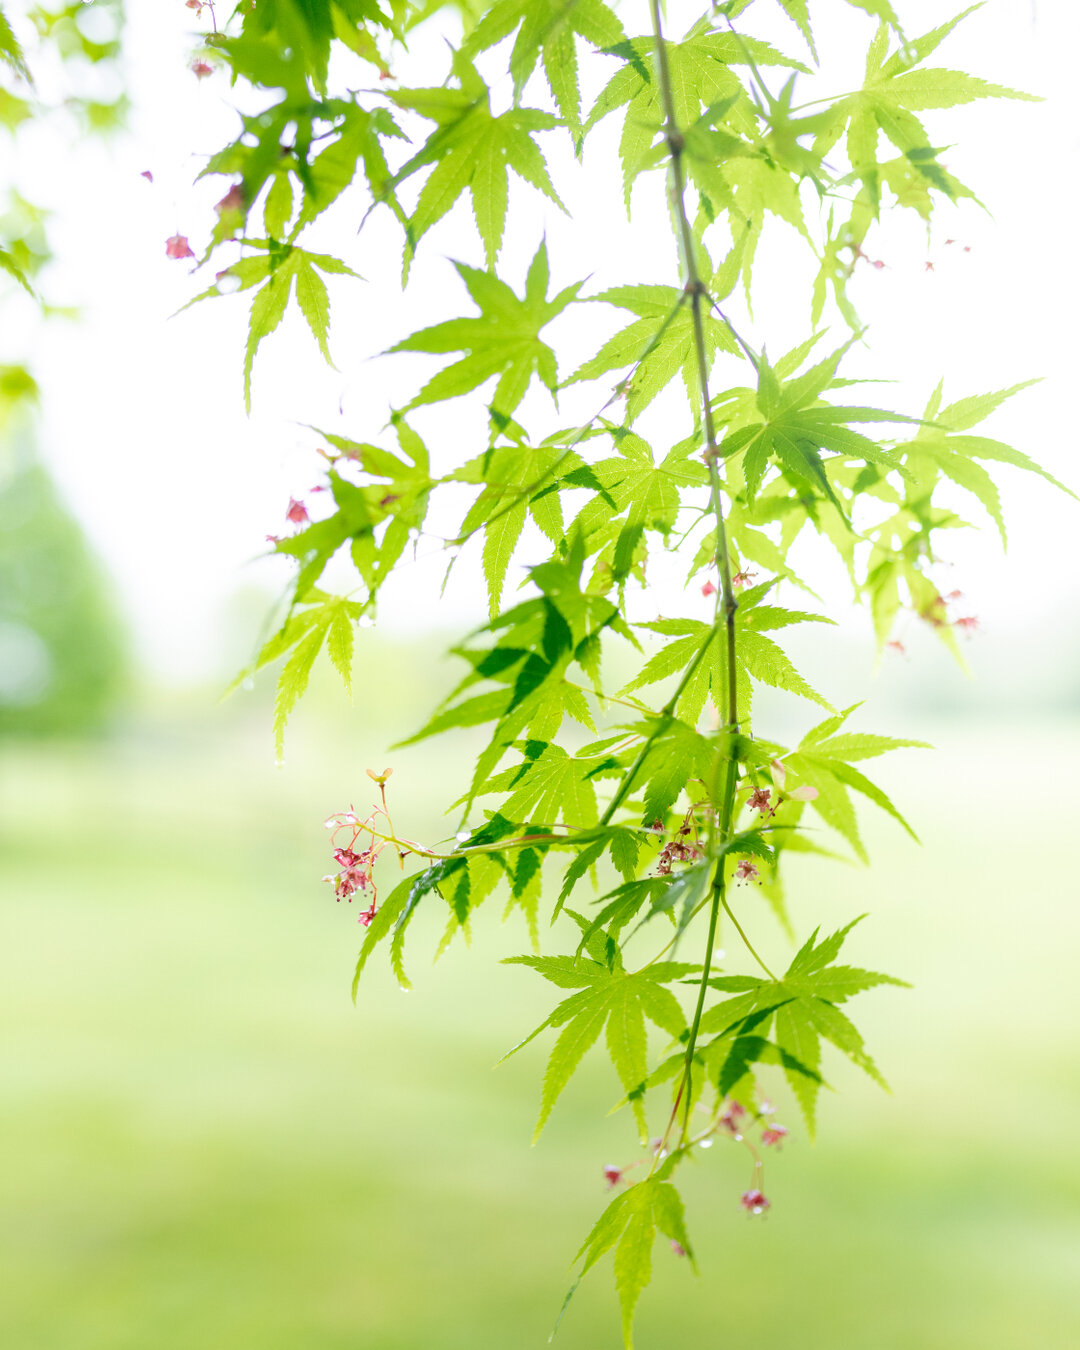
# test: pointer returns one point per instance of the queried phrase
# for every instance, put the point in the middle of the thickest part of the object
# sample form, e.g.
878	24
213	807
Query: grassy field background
207	1147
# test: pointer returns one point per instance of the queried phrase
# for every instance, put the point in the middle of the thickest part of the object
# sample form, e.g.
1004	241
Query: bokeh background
204	1143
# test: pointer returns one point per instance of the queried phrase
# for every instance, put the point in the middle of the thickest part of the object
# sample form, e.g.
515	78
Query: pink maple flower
968	624
678	1248
773	1135
201	69
232	201
178	247
708	589
753	1202
612	1175
746	871
730	1116
742	579
368	914
759	800
355	874
297	513
895	646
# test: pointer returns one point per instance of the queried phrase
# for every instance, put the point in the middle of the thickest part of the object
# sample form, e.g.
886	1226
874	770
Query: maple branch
726	604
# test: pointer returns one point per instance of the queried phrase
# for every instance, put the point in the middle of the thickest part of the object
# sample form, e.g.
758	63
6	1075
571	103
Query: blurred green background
206	1145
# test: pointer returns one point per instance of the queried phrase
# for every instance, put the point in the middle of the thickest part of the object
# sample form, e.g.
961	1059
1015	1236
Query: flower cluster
355	874
684	847
761	799
936	613
356	869
677	851
740	581
356	860
731	1119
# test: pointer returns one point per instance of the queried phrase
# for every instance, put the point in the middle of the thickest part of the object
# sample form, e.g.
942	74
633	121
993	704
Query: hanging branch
675	833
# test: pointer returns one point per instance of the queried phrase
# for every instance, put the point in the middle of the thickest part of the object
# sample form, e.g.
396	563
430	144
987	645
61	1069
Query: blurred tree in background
62	648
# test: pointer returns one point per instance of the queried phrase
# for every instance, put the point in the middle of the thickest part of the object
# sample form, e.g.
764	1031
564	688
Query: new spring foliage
625	815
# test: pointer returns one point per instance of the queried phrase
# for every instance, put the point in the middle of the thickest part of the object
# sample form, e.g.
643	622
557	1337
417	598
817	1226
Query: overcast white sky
144	422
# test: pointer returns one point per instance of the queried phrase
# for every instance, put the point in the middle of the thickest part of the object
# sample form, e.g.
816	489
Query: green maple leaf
547	785
547	30
471	149
802	1005
285	44
11	52
795	425
462	882
664	331
537	640
759	186
611	998
275	270
324	618
904	541
630	1225
504	340
893	92
302	30
944	448
878	9
676	755
757	658
518	478
376	519
647	492
357	143
824	760
796	11
701	79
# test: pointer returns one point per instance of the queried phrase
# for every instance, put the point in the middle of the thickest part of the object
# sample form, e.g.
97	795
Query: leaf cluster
650	806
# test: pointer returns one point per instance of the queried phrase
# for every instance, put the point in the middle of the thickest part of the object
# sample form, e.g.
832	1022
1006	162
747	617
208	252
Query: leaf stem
749	945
